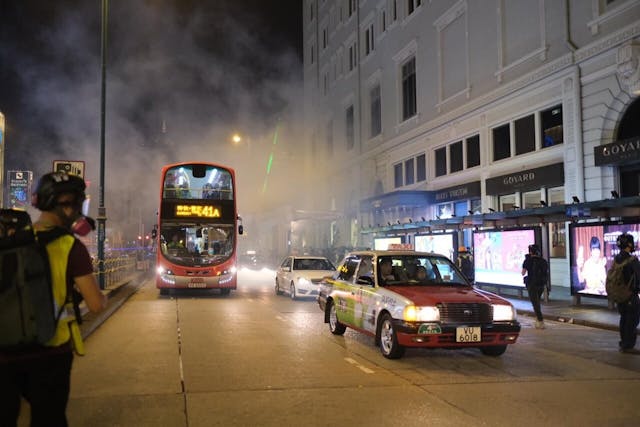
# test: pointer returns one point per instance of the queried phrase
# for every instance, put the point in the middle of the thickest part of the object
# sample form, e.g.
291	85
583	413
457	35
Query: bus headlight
161	270
502	313
412	313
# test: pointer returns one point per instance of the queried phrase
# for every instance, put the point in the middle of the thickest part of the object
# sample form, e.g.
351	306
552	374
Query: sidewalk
592	312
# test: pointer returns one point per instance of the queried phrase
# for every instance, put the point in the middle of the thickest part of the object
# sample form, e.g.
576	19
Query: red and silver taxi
414	299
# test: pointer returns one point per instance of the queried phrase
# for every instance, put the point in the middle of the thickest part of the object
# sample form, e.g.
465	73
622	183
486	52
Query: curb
117	296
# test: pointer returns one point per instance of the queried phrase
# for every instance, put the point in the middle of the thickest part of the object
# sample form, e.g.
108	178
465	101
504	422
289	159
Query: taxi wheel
389	340
494	350
278	290
335	326
292	291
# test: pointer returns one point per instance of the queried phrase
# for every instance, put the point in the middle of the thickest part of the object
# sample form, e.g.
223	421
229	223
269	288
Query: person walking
465	263
630	310
536	270
42	374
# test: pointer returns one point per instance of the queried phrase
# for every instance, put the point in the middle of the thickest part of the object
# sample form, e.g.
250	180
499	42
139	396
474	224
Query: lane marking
359	366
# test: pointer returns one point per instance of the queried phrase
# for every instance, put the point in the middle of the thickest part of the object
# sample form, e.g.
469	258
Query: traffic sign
72	167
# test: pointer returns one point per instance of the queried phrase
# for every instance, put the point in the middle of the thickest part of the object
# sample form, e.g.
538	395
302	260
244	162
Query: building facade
418	109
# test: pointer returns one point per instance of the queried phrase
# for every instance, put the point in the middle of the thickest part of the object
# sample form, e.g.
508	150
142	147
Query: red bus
196	230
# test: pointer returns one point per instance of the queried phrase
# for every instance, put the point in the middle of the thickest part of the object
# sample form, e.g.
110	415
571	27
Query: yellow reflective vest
67	329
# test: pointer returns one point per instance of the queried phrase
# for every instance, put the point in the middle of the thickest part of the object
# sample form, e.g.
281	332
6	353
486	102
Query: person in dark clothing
536	269
465	263
42	374
630	310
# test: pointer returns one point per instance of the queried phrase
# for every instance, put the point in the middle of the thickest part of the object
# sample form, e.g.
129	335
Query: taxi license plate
469	334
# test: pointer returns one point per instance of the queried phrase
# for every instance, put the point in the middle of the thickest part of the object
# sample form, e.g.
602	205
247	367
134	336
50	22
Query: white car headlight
502	312
304	281
412	313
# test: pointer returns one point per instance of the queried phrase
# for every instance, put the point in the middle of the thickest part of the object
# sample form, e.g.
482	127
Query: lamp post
102	211
1	160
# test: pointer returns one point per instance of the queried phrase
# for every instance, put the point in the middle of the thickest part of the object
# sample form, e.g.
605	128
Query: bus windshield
195	245
197	182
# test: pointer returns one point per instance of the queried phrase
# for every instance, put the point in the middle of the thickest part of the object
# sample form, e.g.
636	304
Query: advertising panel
19	188
499	254
440	243
382	243
592	248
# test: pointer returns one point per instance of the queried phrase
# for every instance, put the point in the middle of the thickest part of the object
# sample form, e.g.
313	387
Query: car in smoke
252	261
300	276
403	298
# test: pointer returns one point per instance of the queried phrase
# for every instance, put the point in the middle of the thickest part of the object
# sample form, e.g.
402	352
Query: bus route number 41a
469	334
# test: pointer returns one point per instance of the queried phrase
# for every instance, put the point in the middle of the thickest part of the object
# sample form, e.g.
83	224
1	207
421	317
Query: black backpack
28	315
619	290
539	272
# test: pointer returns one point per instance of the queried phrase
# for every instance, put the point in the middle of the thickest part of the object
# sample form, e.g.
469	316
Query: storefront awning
624	207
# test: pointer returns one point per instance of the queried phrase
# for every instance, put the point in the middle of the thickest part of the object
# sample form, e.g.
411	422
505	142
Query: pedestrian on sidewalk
535	270
42	373
630	310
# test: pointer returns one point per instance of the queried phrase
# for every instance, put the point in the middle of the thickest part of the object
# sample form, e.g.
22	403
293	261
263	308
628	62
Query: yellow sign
201	211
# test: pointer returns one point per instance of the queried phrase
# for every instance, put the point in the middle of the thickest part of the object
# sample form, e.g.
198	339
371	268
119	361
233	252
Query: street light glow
236	138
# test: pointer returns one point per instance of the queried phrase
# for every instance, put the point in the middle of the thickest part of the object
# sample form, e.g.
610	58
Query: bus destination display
197	211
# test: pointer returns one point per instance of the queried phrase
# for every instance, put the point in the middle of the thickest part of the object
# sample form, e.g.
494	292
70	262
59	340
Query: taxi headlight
412	313
502	312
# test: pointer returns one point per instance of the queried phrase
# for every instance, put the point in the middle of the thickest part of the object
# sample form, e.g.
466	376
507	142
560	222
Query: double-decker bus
196	230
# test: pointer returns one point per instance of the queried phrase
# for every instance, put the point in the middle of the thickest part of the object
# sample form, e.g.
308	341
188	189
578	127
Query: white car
300	276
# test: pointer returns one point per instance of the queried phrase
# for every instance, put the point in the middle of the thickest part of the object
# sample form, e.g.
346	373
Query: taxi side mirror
365	280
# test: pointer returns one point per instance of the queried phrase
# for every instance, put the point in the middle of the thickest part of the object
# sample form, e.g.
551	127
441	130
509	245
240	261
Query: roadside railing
120	266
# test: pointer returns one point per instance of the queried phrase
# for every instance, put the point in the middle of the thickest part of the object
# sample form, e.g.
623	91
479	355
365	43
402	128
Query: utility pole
1	159
102	211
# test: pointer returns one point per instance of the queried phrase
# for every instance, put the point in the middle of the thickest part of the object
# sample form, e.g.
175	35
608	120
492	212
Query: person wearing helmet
630	310
42	374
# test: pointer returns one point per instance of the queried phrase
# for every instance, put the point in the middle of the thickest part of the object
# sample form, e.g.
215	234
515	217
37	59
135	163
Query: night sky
181	76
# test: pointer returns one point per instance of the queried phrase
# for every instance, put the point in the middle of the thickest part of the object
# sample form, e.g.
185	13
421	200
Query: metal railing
120	266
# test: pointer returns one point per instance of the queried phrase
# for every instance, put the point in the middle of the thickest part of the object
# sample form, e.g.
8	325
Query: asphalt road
257	359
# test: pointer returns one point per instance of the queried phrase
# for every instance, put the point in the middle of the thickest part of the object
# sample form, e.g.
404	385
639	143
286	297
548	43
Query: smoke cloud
182	77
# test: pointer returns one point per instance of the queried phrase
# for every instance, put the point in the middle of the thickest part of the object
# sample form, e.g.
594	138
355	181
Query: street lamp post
102	210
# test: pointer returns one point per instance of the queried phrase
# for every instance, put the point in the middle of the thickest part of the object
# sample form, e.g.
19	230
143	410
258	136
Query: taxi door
343	292
365	295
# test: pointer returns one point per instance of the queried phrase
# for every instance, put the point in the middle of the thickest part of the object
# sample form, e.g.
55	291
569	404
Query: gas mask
83	225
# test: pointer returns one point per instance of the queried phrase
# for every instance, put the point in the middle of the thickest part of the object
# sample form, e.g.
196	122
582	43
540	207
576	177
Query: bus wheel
164	292
278	290
225	291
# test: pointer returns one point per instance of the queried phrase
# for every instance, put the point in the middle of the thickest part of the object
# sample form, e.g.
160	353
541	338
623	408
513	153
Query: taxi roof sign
400	247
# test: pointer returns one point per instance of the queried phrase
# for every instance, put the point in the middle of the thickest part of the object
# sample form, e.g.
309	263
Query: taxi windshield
418	270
